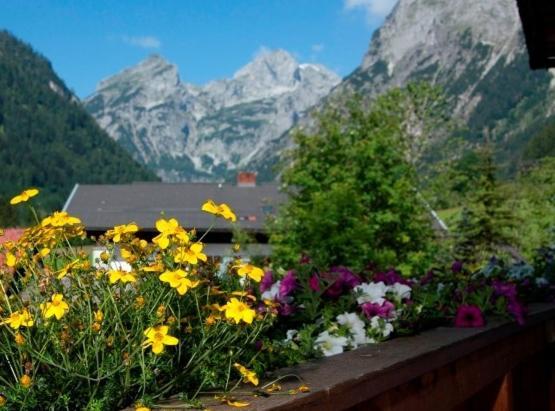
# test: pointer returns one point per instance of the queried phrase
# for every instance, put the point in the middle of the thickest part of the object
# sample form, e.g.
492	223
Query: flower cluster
124	322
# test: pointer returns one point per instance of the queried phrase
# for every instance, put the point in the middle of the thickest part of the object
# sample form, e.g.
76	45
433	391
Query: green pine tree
486	221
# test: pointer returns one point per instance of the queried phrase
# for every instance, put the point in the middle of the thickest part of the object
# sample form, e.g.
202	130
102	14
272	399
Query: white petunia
351	320
291	334
381	326
371	292
356	328
272	293
401	291
330	344
541	282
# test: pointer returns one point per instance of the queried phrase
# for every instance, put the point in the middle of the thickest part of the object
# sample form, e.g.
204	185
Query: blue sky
88	40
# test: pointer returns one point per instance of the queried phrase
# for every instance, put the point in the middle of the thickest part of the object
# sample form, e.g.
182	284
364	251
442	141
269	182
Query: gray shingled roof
101	207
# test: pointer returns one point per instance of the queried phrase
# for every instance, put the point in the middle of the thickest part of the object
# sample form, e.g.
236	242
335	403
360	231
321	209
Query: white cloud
145	42
373	8
317	48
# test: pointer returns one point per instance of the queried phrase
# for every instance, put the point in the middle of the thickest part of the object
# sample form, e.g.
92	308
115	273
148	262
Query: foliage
352	187
48	140
483	227
77	335
534	206
541	143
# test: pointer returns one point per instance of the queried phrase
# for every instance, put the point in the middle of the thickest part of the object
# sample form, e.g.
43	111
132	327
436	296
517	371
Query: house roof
538	22
101	207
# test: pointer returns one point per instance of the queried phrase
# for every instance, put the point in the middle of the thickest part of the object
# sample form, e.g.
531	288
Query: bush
353	189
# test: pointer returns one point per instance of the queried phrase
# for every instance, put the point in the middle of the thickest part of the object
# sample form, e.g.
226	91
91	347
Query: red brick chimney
246	179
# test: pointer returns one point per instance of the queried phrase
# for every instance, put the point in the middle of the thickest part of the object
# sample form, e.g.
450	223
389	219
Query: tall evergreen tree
486	220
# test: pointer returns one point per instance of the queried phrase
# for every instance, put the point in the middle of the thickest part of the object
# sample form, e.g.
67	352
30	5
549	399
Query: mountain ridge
208	132
48	140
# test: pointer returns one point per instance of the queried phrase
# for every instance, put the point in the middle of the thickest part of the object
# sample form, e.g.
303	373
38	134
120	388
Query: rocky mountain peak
270	67
153	73
429	31
205	132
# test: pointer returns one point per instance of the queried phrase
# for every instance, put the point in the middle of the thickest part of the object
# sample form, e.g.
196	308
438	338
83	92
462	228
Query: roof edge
71	195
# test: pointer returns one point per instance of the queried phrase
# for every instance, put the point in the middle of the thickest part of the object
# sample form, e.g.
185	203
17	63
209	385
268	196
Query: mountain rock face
47	139
187	132
475	50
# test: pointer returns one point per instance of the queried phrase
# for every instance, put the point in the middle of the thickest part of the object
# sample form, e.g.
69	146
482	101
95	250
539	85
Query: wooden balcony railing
502	366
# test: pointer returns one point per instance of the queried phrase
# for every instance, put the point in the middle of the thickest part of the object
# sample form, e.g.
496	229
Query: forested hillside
47	139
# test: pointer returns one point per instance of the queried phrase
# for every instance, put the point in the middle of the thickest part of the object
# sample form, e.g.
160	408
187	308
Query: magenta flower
389	278
457	266
266	282
314	283
501	288
286	310
384	310
517	310
428	278
469	316
288	284
342	280
305	259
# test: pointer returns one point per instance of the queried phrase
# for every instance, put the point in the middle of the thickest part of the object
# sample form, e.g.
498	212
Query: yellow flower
44	252
139	301
239	311
11	261
24	196
274	388
96	327
304	388
169	228
98	316
232	401
248	375
154	268
221	210
19	319
104	256
178	280
141	408
3	400
157	338
190	255
161	311
19	339
25	381
120	230
123	276
127	255
60	219
251	271
65	271
56	308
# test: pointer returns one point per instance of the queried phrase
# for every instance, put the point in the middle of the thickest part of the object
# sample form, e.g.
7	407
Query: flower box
502	366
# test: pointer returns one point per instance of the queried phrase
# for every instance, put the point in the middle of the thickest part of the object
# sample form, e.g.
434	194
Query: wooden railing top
355	376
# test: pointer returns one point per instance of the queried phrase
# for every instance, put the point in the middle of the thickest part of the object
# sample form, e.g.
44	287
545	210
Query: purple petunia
503	289
314	283
517	310
383	310
342	280
288	284
469	316
267	281
390	277
457	266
